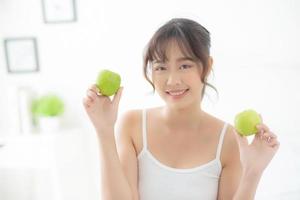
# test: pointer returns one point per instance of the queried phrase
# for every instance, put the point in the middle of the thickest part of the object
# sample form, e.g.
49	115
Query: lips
177	93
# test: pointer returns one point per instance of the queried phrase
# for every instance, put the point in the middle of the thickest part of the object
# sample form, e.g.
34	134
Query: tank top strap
221	139
144	124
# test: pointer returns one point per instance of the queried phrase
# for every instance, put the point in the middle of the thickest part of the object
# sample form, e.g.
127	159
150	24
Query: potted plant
47	111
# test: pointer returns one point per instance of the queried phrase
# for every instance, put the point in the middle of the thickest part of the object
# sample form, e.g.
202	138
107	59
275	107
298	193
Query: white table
48	166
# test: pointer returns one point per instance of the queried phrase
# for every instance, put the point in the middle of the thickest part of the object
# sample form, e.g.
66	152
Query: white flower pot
49	124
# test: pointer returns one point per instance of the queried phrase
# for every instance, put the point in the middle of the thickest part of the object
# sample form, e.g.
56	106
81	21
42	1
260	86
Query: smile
177	94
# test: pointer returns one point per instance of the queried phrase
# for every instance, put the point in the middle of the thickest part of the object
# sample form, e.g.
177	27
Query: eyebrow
178	59
185	58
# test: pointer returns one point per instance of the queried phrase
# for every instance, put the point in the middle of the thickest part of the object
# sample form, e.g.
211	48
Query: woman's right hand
101	110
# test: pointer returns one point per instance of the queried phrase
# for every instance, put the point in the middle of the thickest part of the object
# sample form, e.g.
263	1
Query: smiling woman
193	41
255	65
177	147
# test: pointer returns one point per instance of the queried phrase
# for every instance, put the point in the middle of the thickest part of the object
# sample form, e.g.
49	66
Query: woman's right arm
115	182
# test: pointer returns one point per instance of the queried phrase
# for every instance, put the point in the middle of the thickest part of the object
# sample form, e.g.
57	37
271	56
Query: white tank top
160	182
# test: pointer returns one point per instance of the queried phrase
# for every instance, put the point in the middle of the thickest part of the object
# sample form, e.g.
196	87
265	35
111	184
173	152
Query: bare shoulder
230	149
229	135
230	152
131	121
129	117
129	125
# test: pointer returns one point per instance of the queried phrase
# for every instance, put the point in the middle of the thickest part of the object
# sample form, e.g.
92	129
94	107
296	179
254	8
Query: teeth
176	93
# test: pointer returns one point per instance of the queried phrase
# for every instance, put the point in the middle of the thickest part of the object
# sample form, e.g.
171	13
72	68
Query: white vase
49	124
25	98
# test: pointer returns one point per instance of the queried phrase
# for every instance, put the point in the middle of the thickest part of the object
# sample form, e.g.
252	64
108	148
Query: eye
159	68
185	66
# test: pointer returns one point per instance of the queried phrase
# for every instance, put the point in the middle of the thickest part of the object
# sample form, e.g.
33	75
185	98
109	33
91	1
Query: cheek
194	81
156	81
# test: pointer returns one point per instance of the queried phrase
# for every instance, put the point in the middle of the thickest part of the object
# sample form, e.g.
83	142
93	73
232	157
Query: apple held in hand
108	82
246	121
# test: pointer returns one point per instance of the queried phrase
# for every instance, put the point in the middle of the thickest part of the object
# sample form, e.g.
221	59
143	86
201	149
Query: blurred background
52	50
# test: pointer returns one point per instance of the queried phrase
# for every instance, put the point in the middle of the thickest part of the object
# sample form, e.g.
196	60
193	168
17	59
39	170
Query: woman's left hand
256	156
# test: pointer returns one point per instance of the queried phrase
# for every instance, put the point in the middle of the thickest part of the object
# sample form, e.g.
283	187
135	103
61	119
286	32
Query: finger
268	136
97	93
89	99
117	97
272	143
86	101
91	95
262	127
94	88
259	133
91	90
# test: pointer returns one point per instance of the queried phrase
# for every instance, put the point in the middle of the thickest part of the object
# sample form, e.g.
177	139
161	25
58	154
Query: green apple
108	82
245	122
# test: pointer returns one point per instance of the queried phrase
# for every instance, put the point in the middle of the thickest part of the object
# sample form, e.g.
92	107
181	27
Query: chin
180	105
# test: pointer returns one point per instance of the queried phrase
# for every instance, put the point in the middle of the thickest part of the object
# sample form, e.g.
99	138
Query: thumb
117	97
242	140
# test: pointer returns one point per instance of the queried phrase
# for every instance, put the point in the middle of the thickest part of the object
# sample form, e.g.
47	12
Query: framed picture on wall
59	11
21	55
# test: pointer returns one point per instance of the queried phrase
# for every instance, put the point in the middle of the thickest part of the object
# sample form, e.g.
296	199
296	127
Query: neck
182	118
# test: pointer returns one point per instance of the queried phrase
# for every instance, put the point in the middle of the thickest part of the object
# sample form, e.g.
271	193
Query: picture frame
59	11
21	55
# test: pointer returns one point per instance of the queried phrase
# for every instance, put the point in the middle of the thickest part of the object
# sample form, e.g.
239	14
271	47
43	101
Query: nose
174	79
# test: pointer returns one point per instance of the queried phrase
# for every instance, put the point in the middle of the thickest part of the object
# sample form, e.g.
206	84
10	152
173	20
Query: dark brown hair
192	38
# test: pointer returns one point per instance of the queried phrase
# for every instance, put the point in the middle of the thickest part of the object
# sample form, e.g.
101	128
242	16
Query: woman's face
177	80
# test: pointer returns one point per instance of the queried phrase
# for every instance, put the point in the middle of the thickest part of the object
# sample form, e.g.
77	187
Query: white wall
257	37
255	45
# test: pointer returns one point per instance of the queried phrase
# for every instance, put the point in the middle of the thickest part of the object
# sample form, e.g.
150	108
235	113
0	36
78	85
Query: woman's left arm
244	163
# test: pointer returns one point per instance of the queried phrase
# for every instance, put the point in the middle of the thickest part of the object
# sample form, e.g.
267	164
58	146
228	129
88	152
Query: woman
176	151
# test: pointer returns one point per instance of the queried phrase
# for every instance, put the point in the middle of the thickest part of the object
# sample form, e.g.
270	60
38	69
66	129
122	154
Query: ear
209	64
